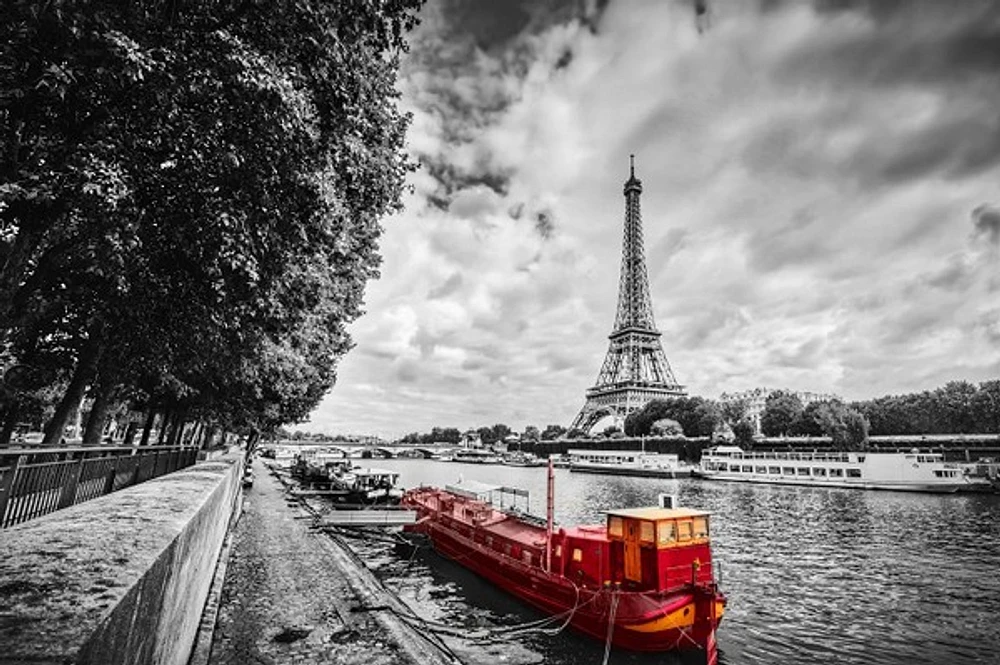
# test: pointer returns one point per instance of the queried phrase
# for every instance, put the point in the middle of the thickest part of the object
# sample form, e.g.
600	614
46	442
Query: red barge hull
653	598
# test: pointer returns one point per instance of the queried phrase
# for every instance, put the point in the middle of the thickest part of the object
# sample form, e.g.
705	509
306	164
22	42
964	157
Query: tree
667	427
531	433
743	432
782	411
190	199
855	431
552	432
733	411
499	432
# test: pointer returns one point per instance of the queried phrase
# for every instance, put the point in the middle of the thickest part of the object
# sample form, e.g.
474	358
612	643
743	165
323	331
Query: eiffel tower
635	370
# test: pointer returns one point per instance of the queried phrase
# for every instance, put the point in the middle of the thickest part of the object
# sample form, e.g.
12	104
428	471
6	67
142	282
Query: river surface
813	575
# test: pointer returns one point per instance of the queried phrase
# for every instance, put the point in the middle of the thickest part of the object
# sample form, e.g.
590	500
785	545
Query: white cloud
808	209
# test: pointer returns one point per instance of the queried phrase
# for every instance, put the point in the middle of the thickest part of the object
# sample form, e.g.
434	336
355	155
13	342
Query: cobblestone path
287	597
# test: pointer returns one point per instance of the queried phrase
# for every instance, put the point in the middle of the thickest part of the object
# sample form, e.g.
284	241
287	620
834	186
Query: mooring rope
611	626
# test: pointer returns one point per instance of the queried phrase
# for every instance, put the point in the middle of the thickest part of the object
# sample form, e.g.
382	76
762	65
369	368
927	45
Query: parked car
248	478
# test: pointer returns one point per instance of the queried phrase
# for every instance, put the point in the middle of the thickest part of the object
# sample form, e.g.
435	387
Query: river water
813	575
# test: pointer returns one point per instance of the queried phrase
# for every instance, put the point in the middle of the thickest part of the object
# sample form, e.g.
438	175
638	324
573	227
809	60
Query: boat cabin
659	548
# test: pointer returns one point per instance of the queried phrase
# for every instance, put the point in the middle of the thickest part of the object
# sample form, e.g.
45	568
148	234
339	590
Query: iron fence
38	481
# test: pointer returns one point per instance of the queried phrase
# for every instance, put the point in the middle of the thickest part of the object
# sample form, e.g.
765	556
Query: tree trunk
129	433
168	416
99	411
82	375
9	421
148	427
178	429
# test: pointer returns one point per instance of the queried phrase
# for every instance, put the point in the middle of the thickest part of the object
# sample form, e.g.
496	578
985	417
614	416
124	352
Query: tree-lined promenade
190	203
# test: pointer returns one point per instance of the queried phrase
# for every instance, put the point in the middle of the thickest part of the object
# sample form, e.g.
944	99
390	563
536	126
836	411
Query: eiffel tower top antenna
631	166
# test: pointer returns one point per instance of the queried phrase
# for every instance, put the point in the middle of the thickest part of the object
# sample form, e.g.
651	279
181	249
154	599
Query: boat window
646	532
836	473
761	469
747	469
861	458
803	471
489	541
577	554
615	526
774	469
526	557
668	532
701	527
854	473
723	466
819	471
684	530
506	549
788	471
558	550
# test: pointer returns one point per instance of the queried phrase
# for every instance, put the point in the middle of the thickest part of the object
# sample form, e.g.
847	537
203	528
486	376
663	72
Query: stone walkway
289	593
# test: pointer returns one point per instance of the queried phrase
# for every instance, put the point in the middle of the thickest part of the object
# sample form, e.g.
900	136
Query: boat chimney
668	500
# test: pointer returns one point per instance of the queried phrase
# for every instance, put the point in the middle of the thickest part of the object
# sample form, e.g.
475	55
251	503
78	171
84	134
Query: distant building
471	439
757	397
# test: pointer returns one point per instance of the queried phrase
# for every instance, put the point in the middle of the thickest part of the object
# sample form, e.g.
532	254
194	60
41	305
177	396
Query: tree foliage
958	407
697	416
190	198
782	411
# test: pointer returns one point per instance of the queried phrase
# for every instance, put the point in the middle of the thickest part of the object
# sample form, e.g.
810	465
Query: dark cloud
956	275
799	241
805	355
544	224
448	287
986	223
452	179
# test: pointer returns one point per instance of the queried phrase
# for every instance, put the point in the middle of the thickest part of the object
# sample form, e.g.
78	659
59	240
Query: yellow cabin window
577	554
668	532
615	527
646	532
700	527
684	530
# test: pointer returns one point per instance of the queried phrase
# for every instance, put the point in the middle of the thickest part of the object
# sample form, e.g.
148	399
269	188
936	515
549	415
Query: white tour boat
628	463
909	471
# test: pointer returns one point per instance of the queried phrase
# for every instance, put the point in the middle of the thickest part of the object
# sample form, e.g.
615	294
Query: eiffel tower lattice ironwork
636	369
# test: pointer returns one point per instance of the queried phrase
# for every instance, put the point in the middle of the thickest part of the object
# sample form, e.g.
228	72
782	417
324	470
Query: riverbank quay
293	594
122	578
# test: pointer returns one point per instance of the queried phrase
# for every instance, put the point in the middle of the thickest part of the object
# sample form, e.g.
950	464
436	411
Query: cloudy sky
821	204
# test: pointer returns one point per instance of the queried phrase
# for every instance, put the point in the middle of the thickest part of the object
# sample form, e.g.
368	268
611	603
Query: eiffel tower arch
636	369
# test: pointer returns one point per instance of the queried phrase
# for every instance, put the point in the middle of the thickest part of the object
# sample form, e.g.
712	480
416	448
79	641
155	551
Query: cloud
808	170
986	222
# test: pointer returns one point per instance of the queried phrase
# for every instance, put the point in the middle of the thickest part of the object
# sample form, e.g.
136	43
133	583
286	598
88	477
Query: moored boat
476	456
644	579
628	463
905	471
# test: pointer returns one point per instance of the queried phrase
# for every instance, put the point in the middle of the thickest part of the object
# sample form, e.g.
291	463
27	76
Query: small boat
644	580
912	471
520	458
476	456
628	463
339	480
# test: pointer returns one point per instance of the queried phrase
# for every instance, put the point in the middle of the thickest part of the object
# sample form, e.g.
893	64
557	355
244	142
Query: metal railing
38	481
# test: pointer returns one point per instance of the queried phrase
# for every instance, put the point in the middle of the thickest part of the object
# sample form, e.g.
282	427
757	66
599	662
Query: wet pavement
292	595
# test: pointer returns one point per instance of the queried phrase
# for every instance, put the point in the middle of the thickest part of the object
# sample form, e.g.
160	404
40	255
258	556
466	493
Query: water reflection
813	575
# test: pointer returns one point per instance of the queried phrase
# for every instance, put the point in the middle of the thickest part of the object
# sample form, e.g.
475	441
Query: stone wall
120	579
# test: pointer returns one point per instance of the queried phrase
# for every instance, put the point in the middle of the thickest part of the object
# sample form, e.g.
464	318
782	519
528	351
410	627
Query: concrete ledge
120	579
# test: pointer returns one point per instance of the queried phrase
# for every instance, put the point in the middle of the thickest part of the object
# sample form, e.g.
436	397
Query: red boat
644	579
